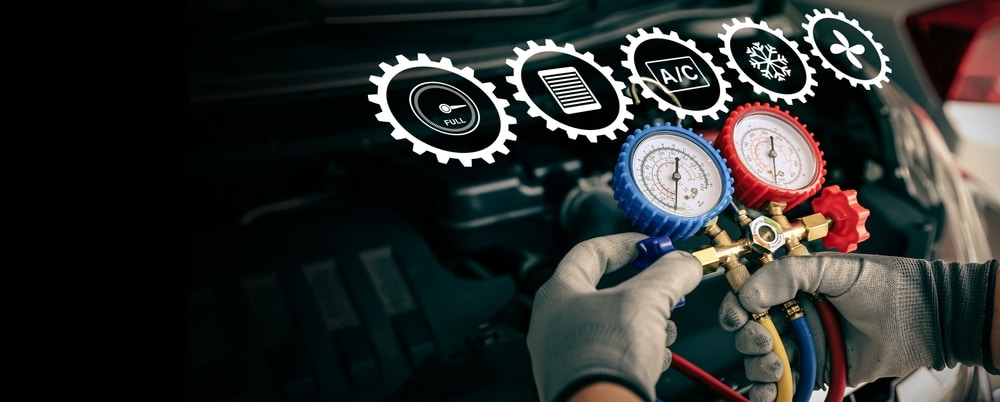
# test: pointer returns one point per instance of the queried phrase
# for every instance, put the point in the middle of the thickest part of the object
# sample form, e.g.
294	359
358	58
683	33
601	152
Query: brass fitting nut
792	309
709	258
774	207
817	227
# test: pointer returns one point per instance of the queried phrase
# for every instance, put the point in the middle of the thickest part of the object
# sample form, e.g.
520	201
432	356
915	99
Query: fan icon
844	47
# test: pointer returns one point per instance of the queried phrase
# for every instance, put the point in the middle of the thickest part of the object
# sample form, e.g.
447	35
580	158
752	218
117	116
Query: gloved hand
579	335
897	314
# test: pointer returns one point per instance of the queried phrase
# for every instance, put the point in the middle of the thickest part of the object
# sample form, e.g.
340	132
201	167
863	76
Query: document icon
571	93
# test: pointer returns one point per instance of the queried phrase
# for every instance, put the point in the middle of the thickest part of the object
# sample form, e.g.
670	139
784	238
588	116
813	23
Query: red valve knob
848	216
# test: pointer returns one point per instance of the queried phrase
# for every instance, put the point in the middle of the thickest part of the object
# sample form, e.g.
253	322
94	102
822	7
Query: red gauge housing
750	189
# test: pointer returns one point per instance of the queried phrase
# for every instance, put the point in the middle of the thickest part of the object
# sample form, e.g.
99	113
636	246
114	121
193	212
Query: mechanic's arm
610	343
605	391
898	314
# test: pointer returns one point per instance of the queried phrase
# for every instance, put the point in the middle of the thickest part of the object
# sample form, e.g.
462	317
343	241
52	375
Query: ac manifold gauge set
674	185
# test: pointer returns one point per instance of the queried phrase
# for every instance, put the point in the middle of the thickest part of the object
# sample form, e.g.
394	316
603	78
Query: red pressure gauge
772	155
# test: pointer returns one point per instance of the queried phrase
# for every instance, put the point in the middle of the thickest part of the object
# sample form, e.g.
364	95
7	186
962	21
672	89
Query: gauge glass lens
774	151
676	174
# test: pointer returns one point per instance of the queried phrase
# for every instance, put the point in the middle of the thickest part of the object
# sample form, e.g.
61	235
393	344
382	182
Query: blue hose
807	362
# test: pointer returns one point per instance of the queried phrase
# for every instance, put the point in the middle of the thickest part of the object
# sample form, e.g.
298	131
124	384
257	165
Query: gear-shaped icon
552	123
399	132
663	104
808	83
883	68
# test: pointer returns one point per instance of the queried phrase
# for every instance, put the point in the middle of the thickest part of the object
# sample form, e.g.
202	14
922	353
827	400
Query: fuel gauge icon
444	108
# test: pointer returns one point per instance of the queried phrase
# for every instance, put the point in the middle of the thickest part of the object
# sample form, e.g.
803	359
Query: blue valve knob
651	250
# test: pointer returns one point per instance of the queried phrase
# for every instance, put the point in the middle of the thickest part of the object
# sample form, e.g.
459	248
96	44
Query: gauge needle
677	179
448	108
774	161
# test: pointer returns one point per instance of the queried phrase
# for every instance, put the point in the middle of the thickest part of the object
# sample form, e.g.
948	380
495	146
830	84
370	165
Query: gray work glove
579	335
897	314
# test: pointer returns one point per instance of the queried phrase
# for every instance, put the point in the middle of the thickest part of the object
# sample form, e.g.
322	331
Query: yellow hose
785	388
737	274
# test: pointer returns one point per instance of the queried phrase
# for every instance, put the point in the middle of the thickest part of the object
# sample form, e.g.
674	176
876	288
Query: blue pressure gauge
670	182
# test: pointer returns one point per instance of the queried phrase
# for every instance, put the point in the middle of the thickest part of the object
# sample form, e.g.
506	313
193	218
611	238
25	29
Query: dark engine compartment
329	262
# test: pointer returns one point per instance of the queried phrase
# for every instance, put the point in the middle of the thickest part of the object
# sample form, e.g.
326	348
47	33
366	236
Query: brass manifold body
764	235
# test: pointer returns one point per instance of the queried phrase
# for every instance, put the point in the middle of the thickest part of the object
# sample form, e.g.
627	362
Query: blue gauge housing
642	212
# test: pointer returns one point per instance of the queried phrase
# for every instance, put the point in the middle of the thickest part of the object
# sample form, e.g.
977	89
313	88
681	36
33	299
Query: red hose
713	384
835	342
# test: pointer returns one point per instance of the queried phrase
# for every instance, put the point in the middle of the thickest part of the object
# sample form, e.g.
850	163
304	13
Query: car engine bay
331	262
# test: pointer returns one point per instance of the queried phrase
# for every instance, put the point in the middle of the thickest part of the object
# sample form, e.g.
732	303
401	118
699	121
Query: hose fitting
793	310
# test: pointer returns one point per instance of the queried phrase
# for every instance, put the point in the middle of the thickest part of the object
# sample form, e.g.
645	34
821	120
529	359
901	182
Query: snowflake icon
766	59
770	67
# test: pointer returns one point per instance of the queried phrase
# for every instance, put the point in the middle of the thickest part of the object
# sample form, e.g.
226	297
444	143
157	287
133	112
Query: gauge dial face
775	151
676	174
444	108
